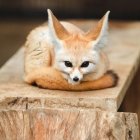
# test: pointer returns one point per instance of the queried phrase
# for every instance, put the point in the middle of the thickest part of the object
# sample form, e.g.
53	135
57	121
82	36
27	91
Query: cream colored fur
47	44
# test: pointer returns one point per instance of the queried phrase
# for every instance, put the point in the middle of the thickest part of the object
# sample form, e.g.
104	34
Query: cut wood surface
124	54
45	124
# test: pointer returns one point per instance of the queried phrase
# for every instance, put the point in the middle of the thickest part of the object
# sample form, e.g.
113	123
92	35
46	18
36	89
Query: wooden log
46	124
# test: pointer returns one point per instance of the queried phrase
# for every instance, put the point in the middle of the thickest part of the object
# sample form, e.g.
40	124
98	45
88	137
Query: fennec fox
62	56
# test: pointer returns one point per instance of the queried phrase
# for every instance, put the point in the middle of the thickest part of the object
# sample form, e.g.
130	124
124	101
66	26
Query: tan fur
52	79
96	31
40	58
61	32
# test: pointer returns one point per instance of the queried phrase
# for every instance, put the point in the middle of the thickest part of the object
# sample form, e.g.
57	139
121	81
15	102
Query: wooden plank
124	54
45	124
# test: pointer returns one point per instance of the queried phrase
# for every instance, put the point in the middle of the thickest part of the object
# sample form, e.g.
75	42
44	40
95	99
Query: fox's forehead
77	53
77	57
76	49
76	42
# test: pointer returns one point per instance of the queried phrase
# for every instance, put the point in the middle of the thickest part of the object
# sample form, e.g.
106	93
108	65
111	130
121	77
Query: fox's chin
72	82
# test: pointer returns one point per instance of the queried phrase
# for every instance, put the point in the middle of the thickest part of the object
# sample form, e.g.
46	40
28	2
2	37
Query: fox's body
60	55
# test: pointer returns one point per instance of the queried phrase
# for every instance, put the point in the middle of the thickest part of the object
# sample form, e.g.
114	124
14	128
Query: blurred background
18	17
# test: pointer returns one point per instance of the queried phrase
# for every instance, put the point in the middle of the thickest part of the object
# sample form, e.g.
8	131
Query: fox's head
76	52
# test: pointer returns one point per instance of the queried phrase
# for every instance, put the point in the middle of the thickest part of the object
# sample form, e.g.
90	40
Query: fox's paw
114	76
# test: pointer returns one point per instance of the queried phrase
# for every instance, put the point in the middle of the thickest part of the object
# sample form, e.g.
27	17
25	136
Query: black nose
76	79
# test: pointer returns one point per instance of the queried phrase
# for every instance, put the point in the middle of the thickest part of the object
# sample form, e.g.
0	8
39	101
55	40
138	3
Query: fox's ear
98	35
56	29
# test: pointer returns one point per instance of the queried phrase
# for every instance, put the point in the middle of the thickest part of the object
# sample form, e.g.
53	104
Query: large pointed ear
98	35
57	30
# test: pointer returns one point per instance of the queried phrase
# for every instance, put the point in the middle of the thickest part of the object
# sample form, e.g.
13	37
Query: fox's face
75	59
76	55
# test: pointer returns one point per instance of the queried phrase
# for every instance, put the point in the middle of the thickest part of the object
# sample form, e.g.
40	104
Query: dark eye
85	64
68	63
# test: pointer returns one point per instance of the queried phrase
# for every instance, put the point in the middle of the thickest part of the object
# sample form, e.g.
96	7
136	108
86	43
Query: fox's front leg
51	79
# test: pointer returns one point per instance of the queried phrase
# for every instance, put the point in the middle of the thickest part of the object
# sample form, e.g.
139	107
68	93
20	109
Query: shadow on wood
131	102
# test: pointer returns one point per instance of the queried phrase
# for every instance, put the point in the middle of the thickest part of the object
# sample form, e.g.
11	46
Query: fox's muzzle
76	75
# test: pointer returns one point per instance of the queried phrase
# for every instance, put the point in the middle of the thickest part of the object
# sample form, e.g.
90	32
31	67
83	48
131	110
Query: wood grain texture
124	54
45	124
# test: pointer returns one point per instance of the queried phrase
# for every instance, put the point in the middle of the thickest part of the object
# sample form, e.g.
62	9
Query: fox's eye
68	63
85	64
